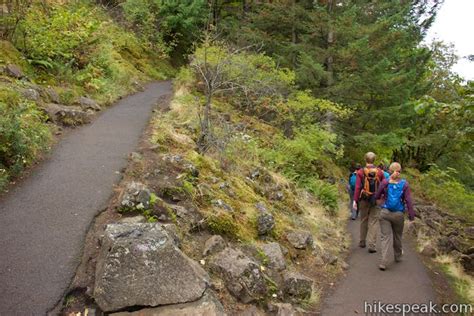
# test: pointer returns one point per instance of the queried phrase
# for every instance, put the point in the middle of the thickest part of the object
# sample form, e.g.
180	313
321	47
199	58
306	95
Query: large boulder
242	276
451	243
297	286
213	245
14	71
51	95
66	115
273	252
265	223
88	104
429	250
136	196
31	94
281	309
300	239
140	265
208	305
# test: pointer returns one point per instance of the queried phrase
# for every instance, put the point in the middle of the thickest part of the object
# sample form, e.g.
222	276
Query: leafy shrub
176	23
326	193
305	109
77	26
23	134
252	81
441	187
308	158
93	55
310	154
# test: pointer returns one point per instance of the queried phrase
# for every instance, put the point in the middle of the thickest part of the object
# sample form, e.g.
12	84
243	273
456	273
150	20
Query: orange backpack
370	183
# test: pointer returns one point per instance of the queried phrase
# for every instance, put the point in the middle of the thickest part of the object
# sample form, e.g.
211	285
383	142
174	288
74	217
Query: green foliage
305	109
93	55
177	23
253	80
442	134
440	186
78	28
23	134
310	154
326	193
307	158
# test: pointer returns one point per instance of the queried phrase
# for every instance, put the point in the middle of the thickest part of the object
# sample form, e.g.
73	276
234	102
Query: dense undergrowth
75	49
442	187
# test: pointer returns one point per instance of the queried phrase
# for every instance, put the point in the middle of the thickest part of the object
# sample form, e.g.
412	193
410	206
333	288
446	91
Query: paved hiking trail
44	219
404	282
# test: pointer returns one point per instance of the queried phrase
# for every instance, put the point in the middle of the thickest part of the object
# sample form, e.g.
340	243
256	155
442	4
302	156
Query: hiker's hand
411	219
354	205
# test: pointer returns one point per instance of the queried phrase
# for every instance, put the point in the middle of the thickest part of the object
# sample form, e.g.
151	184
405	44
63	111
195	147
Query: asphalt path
404	282
44	219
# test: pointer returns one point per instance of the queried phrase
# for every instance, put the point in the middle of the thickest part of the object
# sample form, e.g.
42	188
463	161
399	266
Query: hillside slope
48	81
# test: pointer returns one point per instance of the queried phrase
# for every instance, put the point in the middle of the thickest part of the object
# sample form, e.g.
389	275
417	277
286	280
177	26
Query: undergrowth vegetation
442	187
235	177
305	150
93	55
23	134
70	49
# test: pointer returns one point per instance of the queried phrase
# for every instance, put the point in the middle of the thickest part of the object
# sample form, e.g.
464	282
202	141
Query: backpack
352	181
370	184
393	201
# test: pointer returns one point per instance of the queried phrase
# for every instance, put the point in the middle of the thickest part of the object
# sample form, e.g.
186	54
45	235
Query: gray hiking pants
369	223
391	228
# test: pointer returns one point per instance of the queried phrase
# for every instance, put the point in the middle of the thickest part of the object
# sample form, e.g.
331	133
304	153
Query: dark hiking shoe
399	258
382	267
372	251
362	244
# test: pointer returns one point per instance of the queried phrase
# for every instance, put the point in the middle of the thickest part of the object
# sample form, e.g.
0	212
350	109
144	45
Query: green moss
10	55
223	224
188	188
262	257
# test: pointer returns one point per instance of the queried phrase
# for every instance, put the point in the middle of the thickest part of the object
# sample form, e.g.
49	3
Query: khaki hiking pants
369	223
391	228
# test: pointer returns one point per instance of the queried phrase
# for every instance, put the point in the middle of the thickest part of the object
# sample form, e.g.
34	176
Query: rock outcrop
66	115
242	276
439	232
136	196
265	223
14	71
88	104
297	286
300	239
140	265
273	252
208	305
213	245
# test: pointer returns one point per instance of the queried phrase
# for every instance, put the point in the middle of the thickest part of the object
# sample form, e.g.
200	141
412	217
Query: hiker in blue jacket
385	172
396	200
350	189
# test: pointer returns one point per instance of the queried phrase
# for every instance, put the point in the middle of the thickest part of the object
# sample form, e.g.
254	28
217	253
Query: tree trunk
293	32
330	41
204	137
